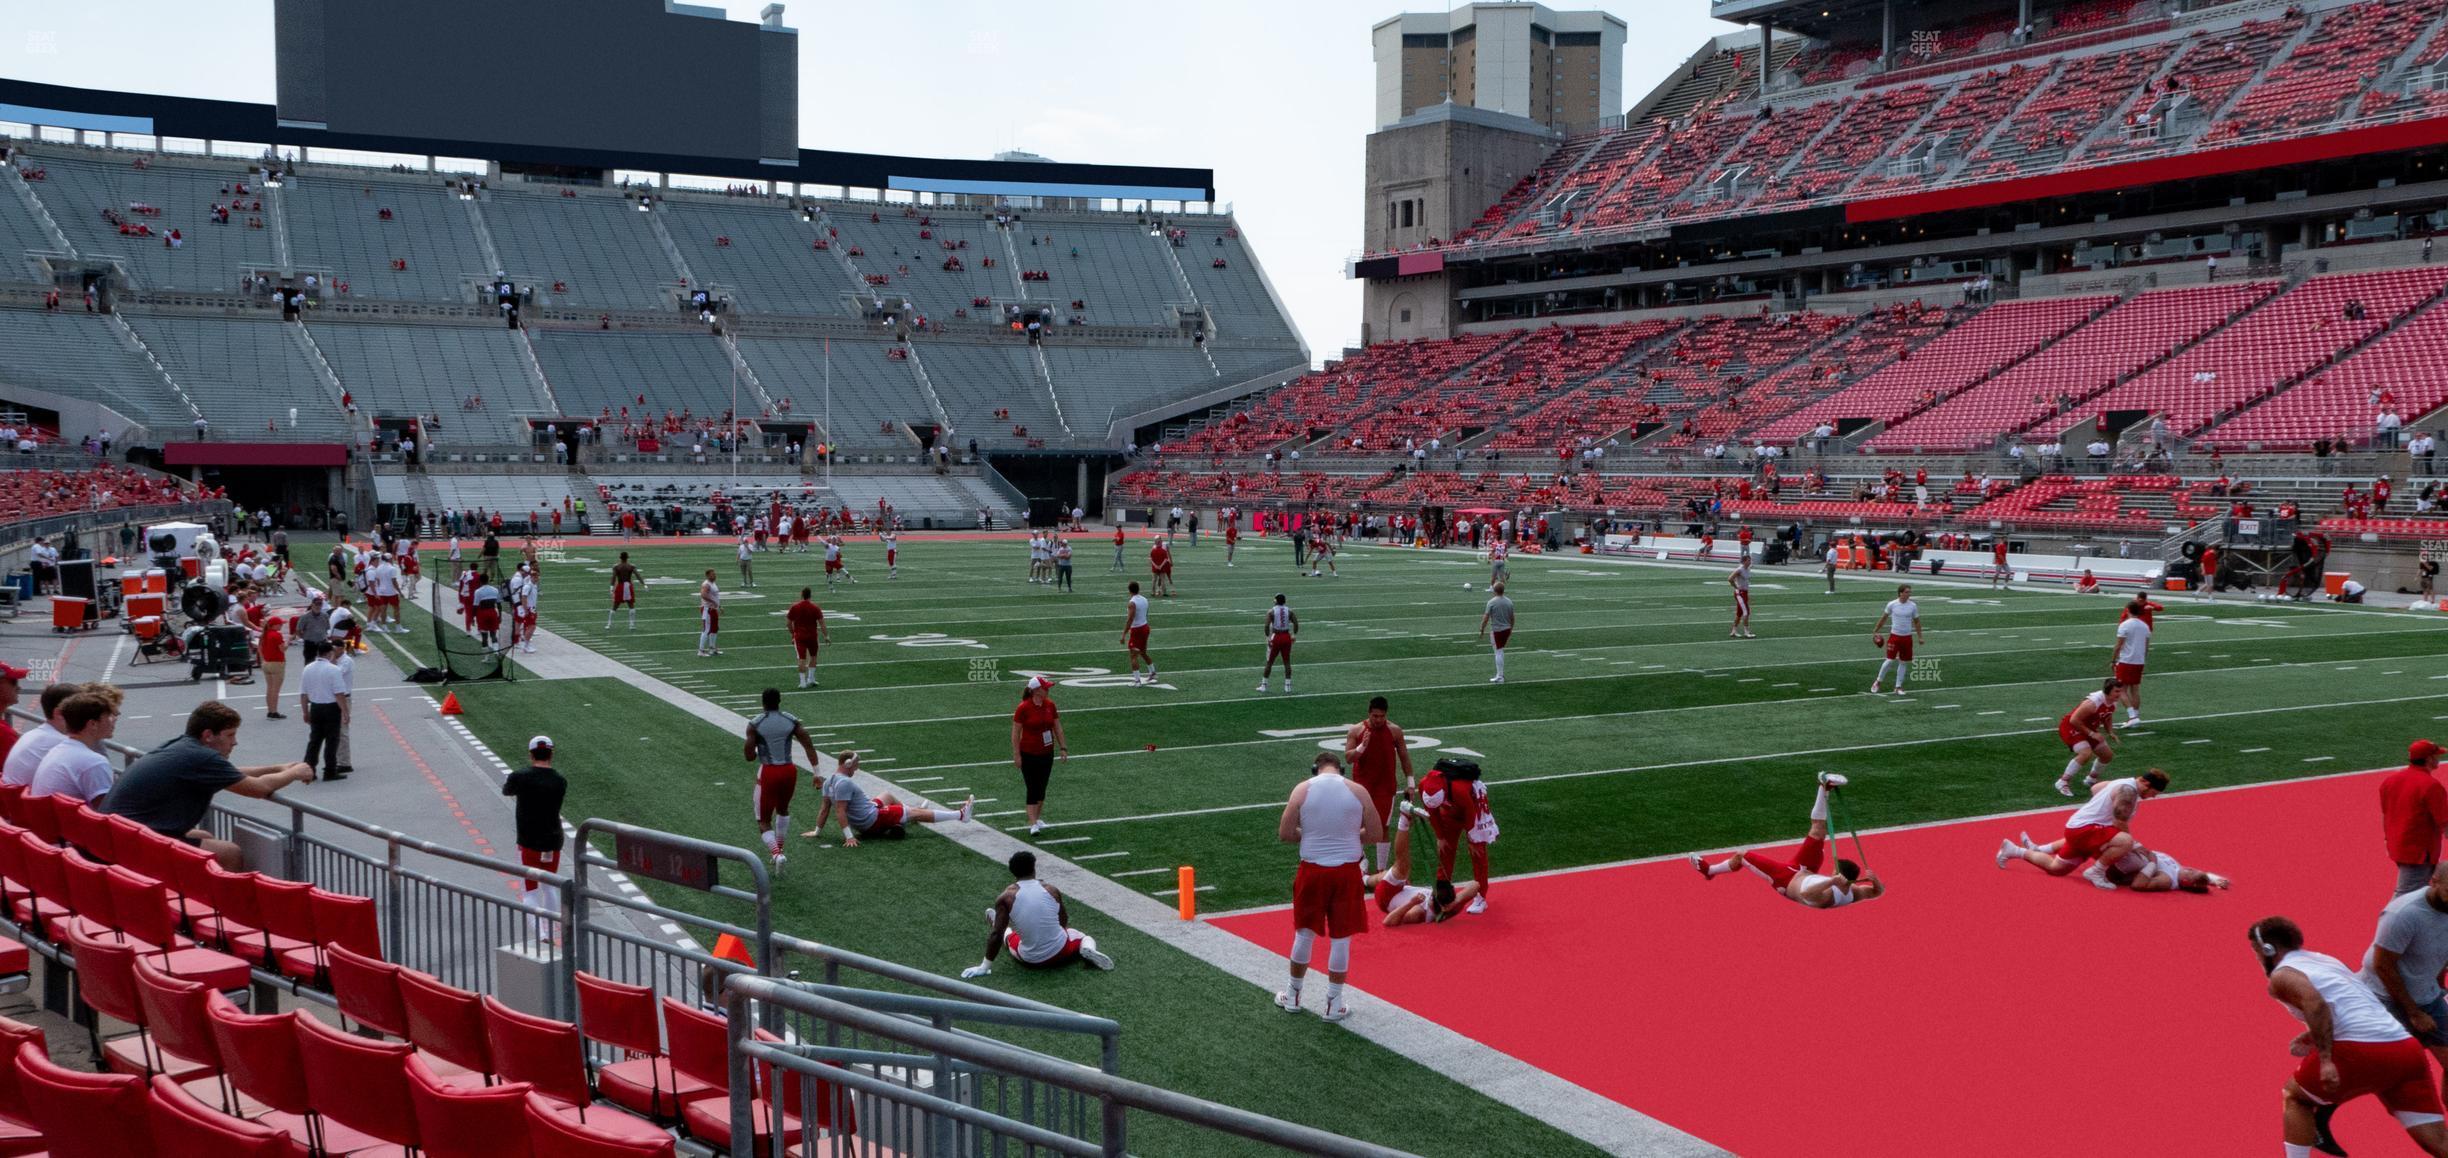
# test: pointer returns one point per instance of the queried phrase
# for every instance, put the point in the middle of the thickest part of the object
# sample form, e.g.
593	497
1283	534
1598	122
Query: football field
1629	727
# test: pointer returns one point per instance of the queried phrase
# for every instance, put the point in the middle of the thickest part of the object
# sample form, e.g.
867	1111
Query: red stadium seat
83	1115
624	1017
184	1127
468	1122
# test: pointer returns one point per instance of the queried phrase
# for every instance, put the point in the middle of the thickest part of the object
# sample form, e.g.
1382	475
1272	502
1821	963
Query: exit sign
647	856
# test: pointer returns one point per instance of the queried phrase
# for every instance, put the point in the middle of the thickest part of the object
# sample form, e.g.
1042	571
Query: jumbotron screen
608	75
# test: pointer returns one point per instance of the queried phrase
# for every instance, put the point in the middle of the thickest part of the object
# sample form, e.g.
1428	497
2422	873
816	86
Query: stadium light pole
828	411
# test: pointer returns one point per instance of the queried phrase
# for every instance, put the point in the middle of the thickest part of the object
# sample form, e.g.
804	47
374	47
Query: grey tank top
773	733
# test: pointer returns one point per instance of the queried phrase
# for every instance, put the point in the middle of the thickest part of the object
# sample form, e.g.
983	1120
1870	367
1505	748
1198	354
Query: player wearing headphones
2350	1047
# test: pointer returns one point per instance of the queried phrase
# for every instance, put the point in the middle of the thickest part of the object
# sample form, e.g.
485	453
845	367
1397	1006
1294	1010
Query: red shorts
2086	842
1742	605
888	816
712	617
891	555
1138	637
624	595
1063	956
1500	637
805	647
832	565
1279	644
548	861
2068	733
2398	1071
1165	572
1381	795
1899	647
2129	674
488	619
1811	857
1328	900
776	784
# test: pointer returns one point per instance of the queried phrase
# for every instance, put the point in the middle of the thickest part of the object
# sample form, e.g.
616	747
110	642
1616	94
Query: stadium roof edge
154	115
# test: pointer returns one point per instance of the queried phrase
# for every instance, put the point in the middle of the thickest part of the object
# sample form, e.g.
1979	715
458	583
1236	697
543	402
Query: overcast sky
1275	97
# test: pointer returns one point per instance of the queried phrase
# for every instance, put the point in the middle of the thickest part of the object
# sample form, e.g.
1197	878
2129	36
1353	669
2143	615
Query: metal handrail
1115	1094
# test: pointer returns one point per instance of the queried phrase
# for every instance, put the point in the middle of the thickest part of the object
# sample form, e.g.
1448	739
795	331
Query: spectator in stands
2421	449
76	766
2385	428
171	788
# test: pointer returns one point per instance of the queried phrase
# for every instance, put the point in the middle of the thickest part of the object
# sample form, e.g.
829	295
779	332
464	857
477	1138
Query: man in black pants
323	700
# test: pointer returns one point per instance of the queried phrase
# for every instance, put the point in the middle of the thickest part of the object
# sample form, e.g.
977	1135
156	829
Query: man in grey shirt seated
2408	952
879	816
171	788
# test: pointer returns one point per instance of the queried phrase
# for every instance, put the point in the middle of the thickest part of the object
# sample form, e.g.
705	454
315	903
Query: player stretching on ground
2148	871
1404	903
2350	1046
1282	625
880	817
768	746
1799	880
2133	636
1331	819
1898	629
1740	580
709	616
2089	729
892	554
807	632
1375	747
2102	828
1496	626
624	591
1031	920
1135	636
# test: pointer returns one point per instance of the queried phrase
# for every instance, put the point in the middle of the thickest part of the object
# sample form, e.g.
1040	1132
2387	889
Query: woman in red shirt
274	647
1037	736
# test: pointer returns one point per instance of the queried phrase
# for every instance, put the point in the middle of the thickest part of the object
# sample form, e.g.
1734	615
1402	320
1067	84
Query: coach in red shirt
2413	810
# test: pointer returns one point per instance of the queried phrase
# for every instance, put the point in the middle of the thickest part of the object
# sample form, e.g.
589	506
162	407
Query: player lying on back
1404	903
2146	871
1800	879
2102	828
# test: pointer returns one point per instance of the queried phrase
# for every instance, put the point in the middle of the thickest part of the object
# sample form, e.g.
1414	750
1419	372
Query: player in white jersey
747	573
1135	636
1898	629
1496	563
2089	731
709	616
2350	1047
892	554
1322	552
383	595
1031	920
1740	580
1331	819
2100	831
1038	557
523	591
2133	638
1282	625
2146	870
1801	879
782	530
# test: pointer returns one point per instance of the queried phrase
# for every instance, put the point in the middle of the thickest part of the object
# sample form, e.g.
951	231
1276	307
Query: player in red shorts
1282	626
1135	637
1031	920
709	616
1898	629
768	745
468	580
1740	580
1404	903
1998	571
1331	819
1232	539
2100	831
1457	806
2133	638
2350	1047
1800	880
537	792
624	591
1160	567
1375	747
2089	729
807	632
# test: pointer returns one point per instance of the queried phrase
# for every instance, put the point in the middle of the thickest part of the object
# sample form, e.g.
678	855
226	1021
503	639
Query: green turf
1630	726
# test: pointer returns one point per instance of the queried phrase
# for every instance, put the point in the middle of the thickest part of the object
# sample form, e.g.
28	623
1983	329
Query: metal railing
919	1085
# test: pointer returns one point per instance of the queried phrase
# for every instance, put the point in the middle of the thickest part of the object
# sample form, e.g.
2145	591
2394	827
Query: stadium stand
599	248
387	369
127	207
977	381
890	247
80	356
759	252
1234	294
254	379
1981	345
2399	371
354	228
595	373
2321	77
869	391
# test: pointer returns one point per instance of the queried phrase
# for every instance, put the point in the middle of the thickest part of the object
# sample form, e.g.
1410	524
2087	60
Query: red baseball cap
2421	750
10	671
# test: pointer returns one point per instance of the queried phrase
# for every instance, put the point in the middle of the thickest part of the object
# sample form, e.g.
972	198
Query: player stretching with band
768	746
1404	903
1331	819
2089	730
1898	629
2350	1047
1282	626
1800	879
2101	829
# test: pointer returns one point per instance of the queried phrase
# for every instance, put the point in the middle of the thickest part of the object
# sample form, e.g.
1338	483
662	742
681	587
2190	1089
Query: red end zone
1973	1011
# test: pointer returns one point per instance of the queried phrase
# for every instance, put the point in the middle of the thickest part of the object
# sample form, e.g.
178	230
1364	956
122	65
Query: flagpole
831	450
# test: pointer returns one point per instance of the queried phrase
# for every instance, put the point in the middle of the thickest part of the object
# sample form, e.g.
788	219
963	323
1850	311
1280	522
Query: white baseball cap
539	742
1039	683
